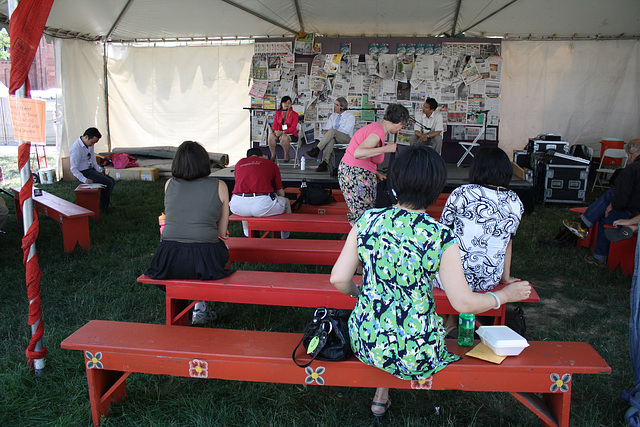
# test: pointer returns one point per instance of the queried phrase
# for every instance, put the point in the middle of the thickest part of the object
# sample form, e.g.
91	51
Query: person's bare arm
371	147
346	265
223	221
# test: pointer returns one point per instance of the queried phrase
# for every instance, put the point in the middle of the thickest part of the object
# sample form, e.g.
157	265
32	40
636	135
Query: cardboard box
66	170
139	174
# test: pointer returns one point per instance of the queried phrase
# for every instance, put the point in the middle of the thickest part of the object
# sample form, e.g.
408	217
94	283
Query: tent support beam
299	15
264	18
115	24
106	93
489	16
455	19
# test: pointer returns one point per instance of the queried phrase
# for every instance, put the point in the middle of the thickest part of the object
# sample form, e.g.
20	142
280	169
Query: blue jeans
105	194
596	213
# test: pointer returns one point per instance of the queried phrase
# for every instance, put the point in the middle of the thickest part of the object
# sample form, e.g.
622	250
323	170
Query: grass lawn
579	302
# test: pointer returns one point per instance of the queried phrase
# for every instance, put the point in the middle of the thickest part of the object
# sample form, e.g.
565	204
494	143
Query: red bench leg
177	311
75	230
91	201
622	254
105	387
553	409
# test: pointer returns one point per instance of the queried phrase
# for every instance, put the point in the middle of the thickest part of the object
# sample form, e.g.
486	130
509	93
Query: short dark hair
284	99
396	113
491	166
432	103
255	151
343	103
418	176
191	161
92	133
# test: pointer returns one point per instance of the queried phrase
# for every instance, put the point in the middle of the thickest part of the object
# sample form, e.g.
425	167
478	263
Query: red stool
622	254
590	240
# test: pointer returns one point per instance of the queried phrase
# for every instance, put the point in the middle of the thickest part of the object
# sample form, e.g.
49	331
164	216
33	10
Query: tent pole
28	218
299	15
455	19
488	16
106	93
256	14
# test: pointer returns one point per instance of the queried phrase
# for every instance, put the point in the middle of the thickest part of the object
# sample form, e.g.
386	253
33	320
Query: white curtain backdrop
585	91
163	96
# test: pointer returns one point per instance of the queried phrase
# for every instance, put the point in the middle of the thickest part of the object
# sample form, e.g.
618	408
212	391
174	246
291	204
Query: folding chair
608	170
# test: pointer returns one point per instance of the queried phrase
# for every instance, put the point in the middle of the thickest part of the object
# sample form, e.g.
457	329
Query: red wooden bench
73	219
114	350
335	192
88	197
296	222
622	254
340	208
284	251
278	288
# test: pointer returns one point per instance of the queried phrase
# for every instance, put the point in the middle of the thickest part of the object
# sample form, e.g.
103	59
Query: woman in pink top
358	171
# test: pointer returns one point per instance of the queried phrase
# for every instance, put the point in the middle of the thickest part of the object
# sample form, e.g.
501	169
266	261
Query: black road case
561	178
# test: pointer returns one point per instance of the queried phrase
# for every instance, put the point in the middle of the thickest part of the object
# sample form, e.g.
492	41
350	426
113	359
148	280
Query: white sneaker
201	316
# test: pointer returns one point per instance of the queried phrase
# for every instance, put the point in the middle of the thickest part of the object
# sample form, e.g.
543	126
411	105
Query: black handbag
326	337
514	319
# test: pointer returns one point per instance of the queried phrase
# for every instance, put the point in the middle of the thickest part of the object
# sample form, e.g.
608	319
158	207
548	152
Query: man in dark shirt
621	202
258	189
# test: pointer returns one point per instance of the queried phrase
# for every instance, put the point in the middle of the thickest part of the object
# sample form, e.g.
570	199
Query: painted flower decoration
560	383
422	384
198	369
94	361
314	375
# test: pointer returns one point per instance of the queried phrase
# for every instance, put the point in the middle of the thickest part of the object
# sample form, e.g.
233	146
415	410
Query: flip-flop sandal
385	406
617	234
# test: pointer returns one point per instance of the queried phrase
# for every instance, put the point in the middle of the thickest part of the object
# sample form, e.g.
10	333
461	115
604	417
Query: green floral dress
394	325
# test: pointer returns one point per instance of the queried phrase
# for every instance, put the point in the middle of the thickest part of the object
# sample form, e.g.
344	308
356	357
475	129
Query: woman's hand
516	291
380	176
509	280
224	237
391	147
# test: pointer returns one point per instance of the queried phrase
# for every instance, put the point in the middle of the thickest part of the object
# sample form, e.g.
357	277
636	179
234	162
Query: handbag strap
322	340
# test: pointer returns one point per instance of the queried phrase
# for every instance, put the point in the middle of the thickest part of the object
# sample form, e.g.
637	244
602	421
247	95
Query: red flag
25	29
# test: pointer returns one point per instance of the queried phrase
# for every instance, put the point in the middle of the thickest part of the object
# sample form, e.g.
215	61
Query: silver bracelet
497	300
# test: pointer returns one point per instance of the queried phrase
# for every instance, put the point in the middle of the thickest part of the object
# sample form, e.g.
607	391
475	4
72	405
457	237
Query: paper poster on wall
304	45
28	117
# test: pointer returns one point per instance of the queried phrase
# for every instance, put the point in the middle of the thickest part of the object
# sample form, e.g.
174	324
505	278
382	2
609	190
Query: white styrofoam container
503	340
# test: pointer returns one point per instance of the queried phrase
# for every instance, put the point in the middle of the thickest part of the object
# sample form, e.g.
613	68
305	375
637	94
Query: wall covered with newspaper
463	76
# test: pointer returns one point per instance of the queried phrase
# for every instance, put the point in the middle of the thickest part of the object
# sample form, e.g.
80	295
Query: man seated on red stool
258	189
621	202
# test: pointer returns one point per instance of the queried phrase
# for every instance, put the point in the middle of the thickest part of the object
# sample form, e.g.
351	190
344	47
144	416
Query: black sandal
385	406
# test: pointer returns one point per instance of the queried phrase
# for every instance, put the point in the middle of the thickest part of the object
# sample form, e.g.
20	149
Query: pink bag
123	160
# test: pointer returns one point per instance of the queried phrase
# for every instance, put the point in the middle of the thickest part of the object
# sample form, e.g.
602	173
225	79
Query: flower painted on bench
94	361
314	375
560	383
198	369
422	384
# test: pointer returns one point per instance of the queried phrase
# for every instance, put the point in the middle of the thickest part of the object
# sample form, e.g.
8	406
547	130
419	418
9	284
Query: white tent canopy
571	67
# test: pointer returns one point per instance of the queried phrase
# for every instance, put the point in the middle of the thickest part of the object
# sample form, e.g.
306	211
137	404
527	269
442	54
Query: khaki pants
327	142
435	142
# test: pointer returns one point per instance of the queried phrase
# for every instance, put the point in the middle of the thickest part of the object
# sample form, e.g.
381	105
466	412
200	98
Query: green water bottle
466	327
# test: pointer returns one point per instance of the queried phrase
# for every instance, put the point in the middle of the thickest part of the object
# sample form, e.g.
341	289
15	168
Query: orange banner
28	117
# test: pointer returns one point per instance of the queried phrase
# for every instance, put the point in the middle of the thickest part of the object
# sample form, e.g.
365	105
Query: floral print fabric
483	220
394	325
358	187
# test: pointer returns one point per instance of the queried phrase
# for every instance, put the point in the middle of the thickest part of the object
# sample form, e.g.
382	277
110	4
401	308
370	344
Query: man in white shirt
85	167
429	126
339	131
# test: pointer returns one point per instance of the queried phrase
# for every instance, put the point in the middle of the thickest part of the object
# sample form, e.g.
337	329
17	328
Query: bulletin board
462	75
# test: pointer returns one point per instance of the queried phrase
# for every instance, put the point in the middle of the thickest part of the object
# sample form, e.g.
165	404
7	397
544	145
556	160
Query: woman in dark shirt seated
197	214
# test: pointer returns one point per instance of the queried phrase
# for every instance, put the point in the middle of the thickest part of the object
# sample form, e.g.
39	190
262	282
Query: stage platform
456	176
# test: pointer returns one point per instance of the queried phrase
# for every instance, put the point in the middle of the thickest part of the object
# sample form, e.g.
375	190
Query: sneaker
576	228
322	167
595	261
313	152
200	317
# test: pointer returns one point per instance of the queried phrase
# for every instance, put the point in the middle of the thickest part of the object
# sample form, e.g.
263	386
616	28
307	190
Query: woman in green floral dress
394	325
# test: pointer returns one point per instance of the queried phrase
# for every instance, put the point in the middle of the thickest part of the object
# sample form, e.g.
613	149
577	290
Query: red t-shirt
256	175
291	121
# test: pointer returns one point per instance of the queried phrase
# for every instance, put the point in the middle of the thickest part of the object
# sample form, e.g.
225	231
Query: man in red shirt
258	189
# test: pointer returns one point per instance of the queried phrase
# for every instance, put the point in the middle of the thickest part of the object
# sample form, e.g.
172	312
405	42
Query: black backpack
315	195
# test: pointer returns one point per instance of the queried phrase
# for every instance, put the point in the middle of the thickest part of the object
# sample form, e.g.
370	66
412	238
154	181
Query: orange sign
28	117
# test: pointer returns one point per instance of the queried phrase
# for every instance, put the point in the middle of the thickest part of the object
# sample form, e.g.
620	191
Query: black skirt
199	261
